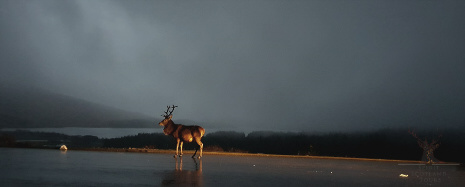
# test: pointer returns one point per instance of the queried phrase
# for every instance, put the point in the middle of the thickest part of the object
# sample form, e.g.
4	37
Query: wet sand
39	167
190	152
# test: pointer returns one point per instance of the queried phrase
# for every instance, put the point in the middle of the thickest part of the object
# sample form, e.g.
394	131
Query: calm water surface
39	167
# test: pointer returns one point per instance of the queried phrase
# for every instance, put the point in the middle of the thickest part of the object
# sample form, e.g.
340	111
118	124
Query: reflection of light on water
63	151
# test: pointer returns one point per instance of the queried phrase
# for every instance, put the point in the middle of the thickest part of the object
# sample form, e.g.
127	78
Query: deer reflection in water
180	177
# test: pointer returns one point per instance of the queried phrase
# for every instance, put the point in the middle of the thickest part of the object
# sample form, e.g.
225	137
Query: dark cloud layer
268	65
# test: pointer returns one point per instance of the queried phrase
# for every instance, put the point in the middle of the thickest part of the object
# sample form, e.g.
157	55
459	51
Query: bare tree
182	133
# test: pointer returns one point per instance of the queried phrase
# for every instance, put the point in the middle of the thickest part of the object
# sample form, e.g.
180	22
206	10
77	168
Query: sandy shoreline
188	153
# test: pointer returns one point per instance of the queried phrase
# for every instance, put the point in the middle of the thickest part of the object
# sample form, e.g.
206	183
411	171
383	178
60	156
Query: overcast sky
237	65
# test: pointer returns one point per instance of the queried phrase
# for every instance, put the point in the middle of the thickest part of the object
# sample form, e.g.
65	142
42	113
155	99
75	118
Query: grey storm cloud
266	65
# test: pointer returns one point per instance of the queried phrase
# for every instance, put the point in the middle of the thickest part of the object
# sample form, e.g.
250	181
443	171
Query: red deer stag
182	133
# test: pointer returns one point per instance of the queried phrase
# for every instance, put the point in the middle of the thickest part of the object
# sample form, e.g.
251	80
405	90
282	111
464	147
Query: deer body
182	133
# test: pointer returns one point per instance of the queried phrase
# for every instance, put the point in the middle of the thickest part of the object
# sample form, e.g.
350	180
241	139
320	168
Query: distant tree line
23	138
382	144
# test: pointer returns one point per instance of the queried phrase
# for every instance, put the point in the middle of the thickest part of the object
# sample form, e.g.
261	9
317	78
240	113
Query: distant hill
30	108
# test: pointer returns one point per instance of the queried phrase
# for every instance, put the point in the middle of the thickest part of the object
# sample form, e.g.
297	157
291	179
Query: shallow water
39	167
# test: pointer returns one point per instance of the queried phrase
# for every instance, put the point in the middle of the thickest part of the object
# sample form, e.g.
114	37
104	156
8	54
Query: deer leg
201	149
200	145
177	146
181	148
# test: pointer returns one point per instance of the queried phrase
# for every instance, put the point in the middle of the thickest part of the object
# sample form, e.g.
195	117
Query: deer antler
171	112
168	112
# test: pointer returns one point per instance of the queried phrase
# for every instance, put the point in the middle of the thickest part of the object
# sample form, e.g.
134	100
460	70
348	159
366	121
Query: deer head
168	115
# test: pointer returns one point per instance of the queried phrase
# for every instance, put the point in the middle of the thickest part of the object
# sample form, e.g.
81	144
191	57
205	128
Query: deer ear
169	118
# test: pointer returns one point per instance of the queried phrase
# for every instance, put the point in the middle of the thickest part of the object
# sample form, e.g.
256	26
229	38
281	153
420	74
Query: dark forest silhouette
382	144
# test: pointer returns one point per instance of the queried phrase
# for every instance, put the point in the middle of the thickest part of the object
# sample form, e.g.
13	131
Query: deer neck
170	127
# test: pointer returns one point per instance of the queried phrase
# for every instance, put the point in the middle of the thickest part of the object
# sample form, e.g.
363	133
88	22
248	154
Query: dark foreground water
39	167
